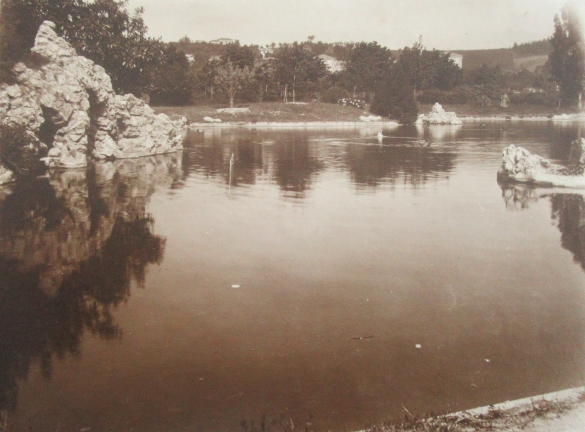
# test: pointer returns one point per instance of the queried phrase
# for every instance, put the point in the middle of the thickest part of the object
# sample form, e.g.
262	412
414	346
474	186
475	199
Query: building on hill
222	41
457	59
333	65
266	52
190	58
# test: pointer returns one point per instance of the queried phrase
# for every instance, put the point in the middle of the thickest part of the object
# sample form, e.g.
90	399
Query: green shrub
535	98
395	98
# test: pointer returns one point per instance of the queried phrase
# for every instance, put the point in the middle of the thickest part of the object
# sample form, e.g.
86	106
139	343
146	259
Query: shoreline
559	411
315	124
387	123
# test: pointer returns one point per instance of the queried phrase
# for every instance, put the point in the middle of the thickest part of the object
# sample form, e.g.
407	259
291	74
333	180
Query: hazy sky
444	24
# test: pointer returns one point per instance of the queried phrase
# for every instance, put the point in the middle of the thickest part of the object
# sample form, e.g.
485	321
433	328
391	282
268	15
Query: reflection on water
409	164
294	164
567	213
70	247
305	288
518	196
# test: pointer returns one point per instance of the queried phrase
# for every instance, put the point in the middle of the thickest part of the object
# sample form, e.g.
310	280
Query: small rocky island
519	165
439	116
67	102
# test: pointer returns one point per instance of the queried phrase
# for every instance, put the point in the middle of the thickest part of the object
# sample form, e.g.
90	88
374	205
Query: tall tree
240	56
206	76
232	79
366	65
395	97
102	30
173	81
296	67
567	60
20	20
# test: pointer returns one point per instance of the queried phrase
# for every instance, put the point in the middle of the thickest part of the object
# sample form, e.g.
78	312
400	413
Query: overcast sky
444	24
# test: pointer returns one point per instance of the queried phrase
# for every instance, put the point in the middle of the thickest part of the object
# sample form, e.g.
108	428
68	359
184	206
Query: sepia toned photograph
292	215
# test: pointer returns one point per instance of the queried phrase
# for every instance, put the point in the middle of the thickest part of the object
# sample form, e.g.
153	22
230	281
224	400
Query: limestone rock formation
68	101
439	116
519	165
370	118
6	176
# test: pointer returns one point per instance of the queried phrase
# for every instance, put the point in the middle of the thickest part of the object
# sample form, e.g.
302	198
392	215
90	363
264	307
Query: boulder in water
439	116
519	165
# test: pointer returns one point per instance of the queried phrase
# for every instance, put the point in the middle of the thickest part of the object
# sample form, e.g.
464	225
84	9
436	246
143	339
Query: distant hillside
508	58
524	56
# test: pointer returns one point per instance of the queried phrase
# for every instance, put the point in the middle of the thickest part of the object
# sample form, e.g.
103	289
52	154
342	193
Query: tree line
390	83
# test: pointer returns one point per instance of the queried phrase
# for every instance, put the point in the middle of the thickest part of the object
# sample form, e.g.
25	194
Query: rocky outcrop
370	118
519	165
68	101
439	116
6	176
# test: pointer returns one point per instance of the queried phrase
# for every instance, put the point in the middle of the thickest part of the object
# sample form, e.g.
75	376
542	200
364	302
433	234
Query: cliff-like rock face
519	165
72	98
439	116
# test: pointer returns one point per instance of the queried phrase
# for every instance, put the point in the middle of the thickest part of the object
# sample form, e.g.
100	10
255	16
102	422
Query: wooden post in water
231	165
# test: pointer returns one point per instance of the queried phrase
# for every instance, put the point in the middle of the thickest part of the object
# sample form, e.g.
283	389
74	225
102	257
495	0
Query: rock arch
69	100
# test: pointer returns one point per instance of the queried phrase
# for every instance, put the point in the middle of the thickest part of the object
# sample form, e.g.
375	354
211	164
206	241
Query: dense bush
334	94
541	98
458	95
20	152
395	98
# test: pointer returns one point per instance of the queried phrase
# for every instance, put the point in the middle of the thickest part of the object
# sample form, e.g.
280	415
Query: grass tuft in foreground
493	420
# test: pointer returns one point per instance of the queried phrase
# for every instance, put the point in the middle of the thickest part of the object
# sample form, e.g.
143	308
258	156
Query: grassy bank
279	112
270	112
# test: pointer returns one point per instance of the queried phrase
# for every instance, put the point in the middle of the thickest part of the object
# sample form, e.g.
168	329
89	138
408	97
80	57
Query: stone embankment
439	116
519	165
72	98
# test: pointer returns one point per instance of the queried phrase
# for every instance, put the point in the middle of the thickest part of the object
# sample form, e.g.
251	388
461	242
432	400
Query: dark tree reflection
295	166
373	165
32	202
70	249
569	211
214	161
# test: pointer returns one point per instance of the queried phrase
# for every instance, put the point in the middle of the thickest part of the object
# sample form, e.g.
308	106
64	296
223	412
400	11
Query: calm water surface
334	281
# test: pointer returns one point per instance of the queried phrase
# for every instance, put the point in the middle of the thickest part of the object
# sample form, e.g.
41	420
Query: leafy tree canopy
367	63
295	67
103	31
428	69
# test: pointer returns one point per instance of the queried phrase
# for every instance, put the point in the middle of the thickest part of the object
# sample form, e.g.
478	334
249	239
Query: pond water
331	280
